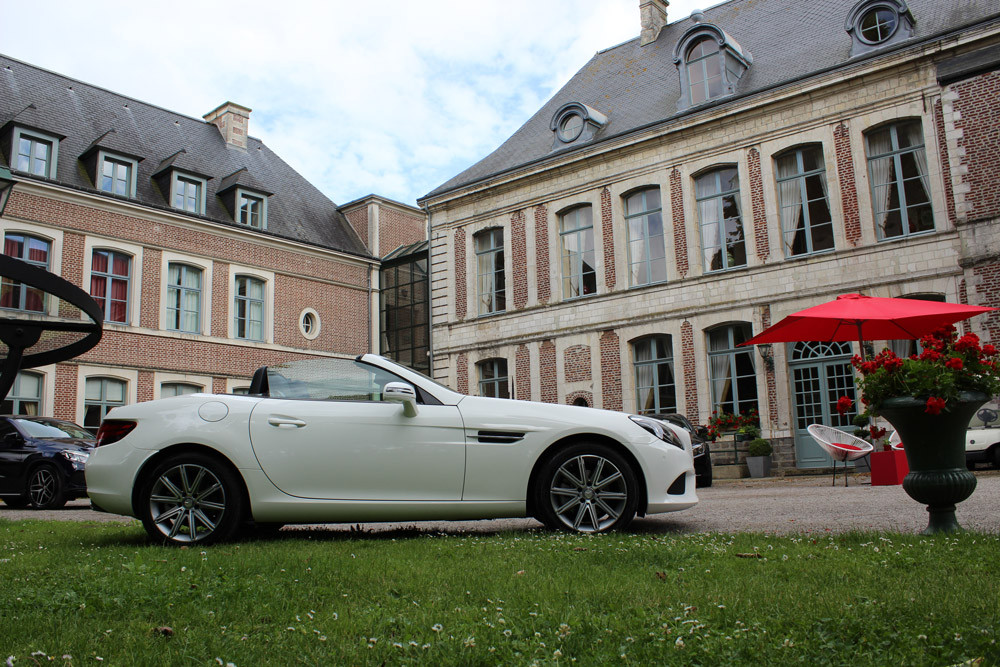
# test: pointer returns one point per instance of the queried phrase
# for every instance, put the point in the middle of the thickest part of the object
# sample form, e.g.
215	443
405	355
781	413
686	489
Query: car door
12	456
361	449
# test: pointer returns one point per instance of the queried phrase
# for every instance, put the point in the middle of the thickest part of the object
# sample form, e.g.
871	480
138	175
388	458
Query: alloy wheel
42	487
588	493
187	502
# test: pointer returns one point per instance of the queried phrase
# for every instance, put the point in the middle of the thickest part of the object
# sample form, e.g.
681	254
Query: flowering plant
723	422
948	365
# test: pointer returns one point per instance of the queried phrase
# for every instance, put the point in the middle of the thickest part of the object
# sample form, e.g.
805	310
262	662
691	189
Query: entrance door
821	373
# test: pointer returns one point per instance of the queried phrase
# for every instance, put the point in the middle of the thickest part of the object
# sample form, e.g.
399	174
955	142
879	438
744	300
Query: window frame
897	180
105	157
247	301
576	258
730	354
243	193
24	290
34	137
16	398
267	326
733	63
110	277
492	301
497	381
182	290
102	403
176	179
802	175
720	220
646	237
654	362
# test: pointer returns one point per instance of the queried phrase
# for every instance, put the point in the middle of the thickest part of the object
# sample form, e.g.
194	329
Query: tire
586	488
191	499
46	490
17	502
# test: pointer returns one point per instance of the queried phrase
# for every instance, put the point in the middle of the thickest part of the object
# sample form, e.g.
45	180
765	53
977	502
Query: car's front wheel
45	488
191	498
586	488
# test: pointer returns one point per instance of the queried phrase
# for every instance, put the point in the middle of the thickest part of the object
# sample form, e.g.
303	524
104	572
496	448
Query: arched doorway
820	374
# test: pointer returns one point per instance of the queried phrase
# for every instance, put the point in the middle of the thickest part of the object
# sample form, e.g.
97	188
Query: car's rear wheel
586	488
191	498
45	488
17	502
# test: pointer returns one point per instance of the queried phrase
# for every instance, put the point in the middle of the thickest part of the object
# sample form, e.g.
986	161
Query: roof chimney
653	15
233	121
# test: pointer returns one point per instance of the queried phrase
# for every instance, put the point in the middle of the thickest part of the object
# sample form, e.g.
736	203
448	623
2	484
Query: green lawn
81	593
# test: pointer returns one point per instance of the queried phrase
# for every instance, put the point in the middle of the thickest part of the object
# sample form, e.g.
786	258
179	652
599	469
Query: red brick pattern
611	371
397	228
680	230
542	254
65	392
963	297
761	240
977	110
988	294
149	314
607	227
358	219
519	260
144	388
522	368
690	372
72	269
462	379
220	299
343	314
848	186
572	397
461	297
949	193
218	385
576	364
547	358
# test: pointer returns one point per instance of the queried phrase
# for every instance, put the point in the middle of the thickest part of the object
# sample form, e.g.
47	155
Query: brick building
688	188
209	255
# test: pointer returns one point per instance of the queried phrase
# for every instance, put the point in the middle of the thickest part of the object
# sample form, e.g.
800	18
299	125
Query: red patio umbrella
858	317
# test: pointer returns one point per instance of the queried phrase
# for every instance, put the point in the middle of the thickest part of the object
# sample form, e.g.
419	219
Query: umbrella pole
861	341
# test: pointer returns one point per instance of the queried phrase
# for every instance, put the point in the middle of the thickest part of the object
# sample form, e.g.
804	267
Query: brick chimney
653	15
233	121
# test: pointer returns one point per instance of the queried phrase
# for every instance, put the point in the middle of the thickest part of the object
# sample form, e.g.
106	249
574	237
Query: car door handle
285	421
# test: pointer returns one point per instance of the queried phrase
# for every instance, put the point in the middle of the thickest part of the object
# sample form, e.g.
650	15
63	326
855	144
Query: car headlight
76	457
655	427
697	448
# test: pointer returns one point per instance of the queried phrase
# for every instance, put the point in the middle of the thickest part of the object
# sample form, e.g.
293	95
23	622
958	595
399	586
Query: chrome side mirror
400	392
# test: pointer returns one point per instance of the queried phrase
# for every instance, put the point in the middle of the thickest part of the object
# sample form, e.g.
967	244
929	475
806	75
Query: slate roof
85	117
638	86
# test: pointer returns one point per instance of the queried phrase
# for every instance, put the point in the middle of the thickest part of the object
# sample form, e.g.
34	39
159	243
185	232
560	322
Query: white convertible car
363	440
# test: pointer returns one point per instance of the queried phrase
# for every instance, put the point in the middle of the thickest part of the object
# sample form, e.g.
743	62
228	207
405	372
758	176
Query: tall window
249	308
100	395
109	278
493	380
34	155
404	306
168	389
251	211
25	397
654	375
577	240
489	260
722	238
646	250
187	193
183	298
34	251
806	224
734	382
116	176
897	165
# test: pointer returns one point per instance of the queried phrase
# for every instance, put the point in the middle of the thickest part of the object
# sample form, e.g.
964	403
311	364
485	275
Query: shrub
759	447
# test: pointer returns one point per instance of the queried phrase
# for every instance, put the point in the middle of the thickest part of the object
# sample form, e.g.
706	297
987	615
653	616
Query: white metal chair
840	446
894	441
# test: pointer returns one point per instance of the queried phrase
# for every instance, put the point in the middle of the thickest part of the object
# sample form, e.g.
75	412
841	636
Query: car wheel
17	502
586	488
45	488
191	498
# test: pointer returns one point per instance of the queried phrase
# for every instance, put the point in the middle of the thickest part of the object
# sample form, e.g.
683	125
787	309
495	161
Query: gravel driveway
776	505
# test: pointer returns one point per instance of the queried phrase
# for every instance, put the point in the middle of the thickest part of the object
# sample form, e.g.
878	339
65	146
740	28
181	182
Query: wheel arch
576	439
188	448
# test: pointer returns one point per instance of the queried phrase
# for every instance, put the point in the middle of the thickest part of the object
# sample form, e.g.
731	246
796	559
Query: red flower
969	341
844	405
876	432
954	363
989	350
930	354
934	405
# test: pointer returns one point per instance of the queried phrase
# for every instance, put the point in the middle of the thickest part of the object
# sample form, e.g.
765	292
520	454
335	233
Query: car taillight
113	431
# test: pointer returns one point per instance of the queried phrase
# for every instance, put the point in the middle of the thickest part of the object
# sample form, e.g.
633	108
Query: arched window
901	191
183	298
576	235
655	386
710	64
493	380
731	369
806	223
646	248
722	237
100	396
168	389
32	250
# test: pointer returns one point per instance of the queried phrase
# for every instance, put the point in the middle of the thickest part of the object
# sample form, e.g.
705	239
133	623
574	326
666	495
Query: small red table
889	468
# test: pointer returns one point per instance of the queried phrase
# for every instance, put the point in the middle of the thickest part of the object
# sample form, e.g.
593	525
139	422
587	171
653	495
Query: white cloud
393	98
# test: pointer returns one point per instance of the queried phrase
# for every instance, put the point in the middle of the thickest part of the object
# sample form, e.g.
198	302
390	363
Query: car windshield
328	380
52	429
988	415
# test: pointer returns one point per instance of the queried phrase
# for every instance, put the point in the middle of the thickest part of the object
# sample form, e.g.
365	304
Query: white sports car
362	440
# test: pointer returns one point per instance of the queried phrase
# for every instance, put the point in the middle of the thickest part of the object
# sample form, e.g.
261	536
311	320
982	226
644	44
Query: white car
364	440
982	440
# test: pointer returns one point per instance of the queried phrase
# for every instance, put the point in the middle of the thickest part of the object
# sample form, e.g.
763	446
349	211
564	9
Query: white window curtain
721	367
790	192
880	143
646	392
915	137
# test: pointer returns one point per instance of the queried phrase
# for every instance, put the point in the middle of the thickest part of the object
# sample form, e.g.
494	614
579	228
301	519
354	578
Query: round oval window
570	127
309	323
877	25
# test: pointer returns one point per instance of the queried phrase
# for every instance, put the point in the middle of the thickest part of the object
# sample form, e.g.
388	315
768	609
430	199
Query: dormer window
117	174
874	24
187	193
575	123
35	153
252	209
245	198
710	64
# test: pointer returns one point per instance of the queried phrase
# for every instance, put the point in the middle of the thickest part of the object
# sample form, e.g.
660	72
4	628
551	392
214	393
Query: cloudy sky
391	97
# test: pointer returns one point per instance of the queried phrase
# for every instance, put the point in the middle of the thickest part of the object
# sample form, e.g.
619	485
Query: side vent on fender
500	437
679	487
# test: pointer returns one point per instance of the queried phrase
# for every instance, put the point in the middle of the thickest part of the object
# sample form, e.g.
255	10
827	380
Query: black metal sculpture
37	339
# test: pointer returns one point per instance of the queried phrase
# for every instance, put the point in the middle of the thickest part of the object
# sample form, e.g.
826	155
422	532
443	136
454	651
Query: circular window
877	25
309	323
570	127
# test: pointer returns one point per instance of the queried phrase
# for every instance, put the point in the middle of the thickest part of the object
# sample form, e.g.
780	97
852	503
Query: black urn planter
935	453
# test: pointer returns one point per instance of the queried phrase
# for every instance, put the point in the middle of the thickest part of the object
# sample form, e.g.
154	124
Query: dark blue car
42	461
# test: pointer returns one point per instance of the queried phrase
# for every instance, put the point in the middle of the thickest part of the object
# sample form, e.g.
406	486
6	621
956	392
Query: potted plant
929	399
727	422
759	457
748	432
